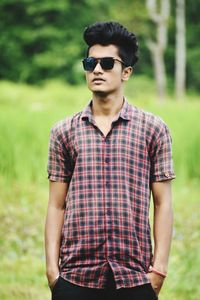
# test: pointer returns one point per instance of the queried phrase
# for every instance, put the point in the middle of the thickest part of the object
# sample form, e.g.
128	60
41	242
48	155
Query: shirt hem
141	281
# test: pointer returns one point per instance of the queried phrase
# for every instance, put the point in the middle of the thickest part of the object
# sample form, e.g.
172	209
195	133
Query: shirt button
107	184
109	212
107	160
167	174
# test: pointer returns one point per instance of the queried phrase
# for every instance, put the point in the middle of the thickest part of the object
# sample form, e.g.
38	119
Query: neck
107	105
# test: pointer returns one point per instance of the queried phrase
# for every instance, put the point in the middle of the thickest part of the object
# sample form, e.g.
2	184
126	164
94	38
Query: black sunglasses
106	63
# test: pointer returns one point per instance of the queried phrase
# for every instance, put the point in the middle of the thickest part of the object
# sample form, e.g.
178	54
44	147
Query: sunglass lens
107	63
89	63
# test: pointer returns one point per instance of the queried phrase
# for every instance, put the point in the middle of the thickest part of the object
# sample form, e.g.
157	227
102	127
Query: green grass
26	116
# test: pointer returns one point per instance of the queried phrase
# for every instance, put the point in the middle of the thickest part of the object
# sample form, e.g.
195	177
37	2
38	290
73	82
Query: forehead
103	51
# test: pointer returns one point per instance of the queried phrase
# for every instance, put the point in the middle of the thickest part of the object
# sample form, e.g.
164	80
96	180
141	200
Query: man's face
105	81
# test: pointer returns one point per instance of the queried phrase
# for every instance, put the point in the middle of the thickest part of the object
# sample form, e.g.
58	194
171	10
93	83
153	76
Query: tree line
43	39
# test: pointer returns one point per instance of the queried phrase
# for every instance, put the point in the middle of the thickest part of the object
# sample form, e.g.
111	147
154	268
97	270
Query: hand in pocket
156	282
53	282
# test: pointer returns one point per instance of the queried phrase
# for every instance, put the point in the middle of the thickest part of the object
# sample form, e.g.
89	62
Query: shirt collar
125	112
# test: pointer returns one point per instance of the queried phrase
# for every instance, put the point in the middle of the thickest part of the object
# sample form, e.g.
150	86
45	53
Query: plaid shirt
106	220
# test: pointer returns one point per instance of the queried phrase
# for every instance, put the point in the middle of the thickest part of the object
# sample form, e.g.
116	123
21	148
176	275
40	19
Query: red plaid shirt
106	221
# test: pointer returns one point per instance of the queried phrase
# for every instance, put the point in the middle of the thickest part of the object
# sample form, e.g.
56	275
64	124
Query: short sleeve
60	165
161	158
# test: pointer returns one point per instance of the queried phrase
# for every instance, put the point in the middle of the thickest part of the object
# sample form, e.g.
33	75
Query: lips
97	79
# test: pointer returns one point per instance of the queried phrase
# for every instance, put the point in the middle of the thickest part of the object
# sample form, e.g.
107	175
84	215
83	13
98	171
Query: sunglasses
106	63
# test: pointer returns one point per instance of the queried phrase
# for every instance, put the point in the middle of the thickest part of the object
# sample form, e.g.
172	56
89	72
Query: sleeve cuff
53	177
163	176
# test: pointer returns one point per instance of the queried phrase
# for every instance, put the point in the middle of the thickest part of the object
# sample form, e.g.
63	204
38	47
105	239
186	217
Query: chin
98	90
101	93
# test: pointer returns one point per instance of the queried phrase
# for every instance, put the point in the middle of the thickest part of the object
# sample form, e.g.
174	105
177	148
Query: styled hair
107	33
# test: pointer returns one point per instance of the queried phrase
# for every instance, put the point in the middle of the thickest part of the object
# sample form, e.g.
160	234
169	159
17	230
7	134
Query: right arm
53	227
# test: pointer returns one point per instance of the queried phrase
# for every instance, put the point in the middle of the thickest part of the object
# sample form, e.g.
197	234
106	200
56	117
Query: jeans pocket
54	284
153	292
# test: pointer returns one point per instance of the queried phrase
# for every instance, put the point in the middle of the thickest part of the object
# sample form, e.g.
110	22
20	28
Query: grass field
26	116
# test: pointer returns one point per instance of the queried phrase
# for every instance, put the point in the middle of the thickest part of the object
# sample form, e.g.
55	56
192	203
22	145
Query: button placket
108	186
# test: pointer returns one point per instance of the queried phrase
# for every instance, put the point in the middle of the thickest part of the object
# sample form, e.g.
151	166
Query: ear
126	73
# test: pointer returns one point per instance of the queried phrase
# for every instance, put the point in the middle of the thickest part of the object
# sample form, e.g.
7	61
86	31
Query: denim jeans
65	290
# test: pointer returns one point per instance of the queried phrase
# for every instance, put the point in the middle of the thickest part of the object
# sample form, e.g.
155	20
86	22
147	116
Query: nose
98	68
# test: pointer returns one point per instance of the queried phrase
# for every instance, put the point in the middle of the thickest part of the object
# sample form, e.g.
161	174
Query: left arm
163	226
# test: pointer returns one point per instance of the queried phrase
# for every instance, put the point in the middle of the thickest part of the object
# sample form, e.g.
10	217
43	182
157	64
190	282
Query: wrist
157	271
52	271
160	265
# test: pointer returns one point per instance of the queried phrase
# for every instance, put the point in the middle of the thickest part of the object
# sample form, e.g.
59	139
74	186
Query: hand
52	278
156	281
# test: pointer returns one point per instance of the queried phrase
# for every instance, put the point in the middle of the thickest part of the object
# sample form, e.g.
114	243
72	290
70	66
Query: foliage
192	47
41	40
193	62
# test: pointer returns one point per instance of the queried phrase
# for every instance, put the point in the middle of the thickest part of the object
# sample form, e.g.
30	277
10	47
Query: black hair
106	33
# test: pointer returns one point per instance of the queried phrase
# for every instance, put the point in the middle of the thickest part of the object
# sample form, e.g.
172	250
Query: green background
41	82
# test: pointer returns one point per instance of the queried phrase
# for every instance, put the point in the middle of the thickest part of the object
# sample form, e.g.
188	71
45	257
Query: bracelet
153	270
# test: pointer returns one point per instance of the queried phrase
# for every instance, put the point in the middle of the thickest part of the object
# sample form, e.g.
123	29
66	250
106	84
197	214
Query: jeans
65	290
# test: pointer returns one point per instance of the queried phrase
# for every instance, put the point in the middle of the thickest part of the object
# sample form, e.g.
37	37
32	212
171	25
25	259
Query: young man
104	163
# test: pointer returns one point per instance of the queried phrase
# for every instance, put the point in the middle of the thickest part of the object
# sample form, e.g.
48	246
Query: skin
163	225
53	227
108	94
108	91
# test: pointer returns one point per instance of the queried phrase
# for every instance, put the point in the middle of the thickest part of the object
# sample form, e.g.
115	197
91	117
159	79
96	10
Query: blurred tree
180	70
159	12
43	39
193	47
